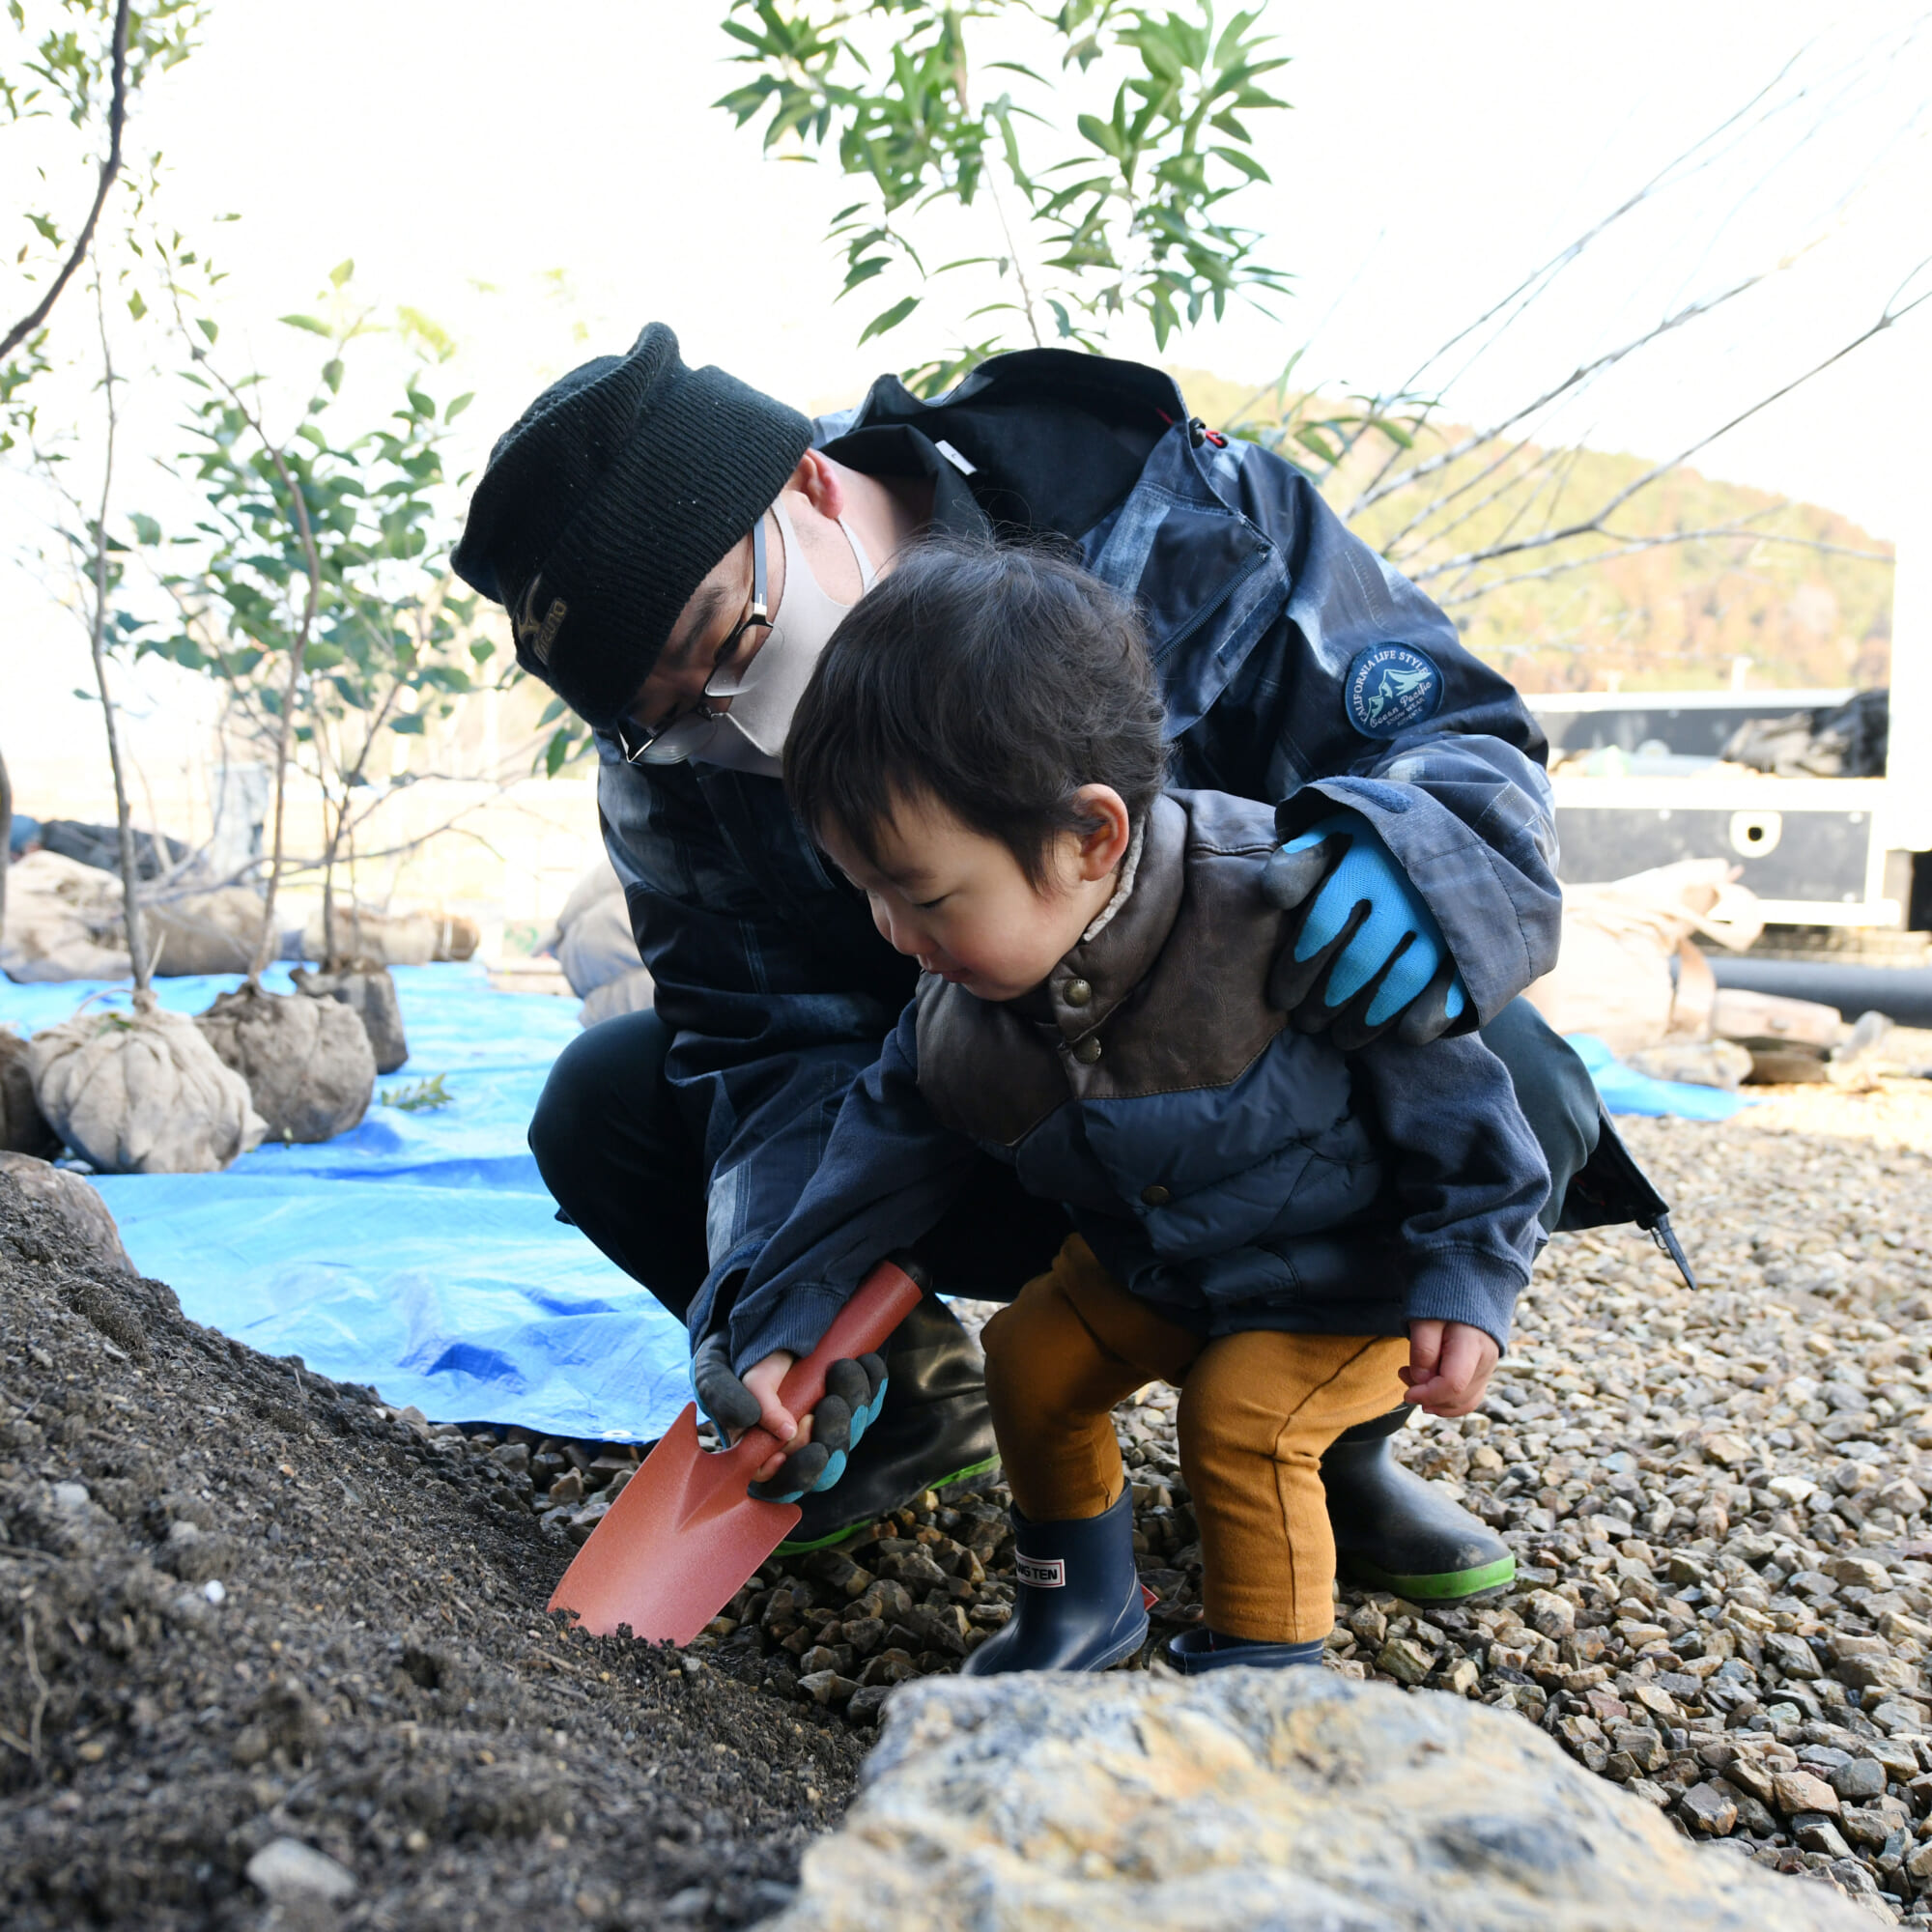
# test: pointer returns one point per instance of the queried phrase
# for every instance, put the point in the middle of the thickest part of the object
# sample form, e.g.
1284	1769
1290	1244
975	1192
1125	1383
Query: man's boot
1396	1532
1077	1604
933	1430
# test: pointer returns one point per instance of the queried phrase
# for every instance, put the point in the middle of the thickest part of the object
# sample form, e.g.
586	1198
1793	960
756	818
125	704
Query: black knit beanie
605	506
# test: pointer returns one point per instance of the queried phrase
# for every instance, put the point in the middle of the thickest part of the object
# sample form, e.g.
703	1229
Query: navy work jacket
1271	627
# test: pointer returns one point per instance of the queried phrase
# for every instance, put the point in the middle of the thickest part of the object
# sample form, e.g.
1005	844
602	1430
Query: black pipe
1902	993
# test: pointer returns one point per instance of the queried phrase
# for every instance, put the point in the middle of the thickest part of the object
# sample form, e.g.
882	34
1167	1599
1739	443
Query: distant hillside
1675	617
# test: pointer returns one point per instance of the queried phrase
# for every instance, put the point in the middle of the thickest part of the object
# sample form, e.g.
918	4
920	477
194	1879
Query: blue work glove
855	1391
1363	953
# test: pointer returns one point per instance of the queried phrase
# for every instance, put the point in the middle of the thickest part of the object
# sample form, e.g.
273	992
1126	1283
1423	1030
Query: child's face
957	902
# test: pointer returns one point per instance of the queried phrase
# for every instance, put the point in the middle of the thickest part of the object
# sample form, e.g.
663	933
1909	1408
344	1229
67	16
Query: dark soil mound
241	1603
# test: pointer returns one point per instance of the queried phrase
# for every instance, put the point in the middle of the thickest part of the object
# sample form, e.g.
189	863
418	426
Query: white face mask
750	736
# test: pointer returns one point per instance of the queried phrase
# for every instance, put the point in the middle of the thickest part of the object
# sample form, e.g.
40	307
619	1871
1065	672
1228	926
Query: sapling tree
1078	218
305	585
82	62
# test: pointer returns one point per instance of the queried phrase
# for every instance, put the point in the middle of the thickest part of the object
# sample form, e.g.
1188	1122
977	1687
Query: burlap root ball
308	1063
142	1093
369	992
23	1127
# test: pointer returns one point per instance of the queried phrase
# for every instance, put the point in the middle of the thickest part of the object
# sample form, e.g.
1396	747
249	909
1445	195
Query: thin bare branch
110	169
1584	373
1715	533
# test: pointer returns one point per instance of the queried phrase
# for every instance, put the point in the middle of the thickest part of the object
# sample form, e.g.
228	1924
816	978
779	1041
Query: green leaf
459	405
410	724
889	318
136	307
342	270
145	528
307	322
331	374
206	327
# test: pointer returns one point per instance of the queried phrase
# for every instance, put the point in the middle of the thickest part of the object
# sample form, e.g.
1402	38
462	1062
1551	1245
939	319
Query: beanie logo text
533	636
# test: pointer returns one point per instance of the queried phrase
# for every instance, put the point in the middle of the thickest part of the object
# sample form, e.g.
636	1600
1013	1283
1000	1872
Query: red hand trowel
683	1538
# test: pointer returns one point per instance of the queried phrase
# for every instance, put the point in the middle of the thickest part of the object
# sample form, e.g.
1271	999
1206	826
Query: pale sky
1434	156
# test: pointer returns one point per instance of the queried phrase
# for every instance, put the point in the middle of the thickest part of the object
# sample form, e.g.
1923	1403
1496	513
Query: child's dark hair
994	681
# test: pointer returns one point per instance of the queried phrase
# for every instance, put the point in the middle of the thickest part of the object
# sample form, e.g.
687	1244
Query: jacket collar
1101	972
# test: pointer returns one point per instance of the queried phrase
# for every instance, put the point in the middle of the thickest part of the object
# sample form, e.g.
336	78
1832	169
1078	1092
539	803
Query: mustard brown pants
1257	1411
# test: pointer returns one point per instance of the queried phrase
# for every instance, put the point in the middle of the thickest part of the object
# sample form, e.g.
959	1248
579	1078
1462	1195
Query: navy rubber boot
1078	1606
1201	1649
1394	1531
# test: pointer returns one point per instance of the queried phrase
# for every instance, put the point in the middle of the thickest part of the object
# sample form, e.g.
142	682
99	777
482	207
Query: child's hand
1449	1365
762	1379
815	1444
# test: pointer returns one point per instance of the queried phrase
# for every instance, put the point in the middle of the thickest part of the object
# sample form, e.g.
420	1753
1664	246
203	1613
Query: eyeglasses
683	733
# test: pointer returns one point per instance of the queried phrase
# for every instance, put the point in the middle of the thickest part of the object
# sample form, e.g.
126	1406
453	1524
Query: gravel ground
1717	1500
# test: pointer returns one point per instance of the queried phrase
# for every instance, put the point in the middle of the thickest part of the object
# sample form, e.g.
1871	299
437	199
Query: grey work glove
855	1390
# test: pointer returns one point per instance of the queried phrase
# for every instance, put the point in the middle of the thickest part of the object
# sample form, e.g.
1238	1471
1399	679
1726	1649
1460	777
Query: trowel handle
878	1305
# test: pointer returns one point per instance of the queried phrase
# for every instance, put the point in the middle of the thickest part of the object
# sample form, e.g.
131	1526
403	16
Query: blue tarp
1625	1090
420	1253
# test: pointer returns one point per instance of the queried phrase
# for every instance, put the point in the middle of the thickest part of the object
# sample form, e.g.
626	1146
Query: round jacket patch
1390	688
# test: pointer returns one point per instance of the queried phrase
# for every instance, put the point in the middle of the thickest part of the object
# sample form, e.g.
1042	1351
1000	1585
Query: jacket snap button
1088	1051
1076	992
1155	1196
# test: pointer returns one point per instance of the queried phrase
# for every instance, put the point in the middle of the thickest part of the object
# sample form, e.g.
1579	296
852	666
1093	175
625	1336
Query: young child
1287	1233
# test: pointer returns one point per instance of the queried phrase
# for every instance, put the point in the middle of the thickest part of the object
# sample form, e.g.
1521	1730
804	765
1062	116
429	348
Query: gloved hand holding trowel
815	1445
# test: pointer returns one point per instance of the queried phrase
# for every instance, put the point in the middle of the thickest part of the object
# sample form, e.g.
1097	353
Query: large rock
83	1217
1297	1800
141	1093
308	1063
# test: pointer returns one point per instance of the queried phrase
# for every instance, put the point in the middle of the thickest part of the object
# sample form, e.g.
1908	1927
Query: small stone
1792	1656
289	1872
1404	1659
1728	1452
826	1687
71	1497
214	1590
1796	1791
1709	1808
1641	1745
1858	1572
1816	1833
1549	1614
866	1702
566	1489
512	1456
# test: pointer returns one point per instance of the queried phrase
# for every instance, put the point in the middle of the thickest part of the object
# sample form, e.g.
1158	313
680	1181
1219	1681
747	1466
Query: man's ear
1109	833
821	483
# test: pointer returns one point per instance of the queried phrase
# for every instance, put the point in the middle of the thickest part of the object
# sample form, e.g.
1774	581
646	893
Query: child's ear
1109	833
